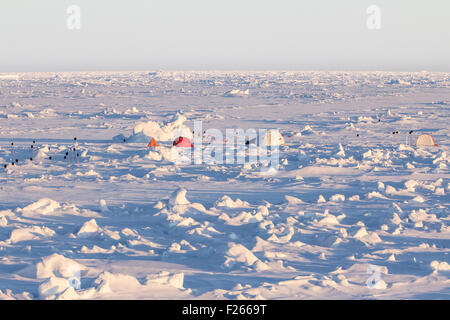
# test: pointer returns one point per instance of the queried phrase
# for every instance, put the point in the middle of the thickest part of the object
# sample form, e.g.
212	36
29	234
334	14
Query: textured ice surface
350	198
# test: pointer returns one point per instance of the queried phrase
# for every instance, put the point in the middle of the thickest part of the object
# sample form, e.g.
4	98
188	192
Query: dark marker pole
12	164
50	157
13	154
32	149
408	137
72	155
6	171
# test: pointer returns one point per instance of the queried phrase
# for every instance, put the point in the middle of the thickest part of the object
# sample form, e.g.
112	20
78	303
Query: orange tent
153	143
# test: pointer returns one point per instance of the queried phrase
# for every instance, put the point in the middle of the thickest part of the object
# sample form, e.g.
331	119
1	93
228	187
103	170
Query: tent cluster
271	138
275	138
182	142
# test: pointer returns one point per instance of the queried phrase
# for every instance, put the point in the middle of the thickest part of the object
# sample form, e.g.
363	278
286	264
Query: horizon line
222	70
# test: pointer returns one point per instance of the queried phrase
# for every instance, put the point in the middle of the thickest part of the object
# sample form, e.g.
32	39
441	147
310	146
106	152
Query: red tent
183	142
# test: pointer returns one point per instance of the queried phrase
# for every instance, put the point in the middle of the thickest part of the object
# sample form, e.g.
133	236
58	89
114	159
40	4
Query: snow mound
30	233
89	229
340	151
421	215
307	130
3	215
108	283
143	131
329	220
42	153
283	238
226	201
365	119
369	238
337	197
9	295
63	277
90	173
178	197
245	217
103	207
44	206
237	253
411	185
439	266
119	138
236	93
375	194
418	199
153	155
160	153
176	206
97	249
292	200
166	278
59	266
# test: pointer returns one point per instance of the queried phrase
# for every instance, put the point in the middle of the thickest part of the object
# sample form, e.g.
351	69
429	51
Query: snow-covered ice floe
354	209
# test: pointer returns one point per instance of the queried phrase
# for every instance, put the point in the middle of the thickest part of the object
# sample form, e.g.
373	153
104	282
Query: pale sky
224	35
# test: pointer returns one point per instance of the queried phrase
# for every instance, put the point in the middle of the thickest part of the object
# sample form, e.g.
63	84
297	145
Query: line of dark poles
67	157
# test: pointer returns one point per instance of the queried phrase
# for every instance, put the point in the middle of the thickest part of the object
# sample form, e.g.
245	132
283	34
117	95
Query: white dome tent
425	140
272	138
